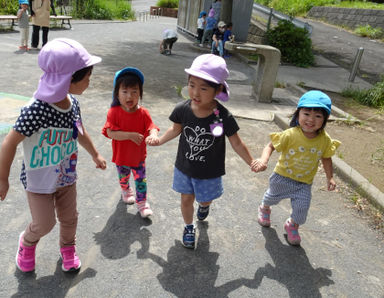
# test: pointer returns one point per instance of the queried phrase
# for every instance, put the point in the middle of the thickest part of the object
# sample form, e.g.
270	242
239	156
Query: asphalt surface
125	256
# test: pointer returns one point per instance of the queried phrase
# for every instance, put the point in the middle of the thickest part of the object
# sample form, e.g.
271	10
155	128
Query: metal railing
271	13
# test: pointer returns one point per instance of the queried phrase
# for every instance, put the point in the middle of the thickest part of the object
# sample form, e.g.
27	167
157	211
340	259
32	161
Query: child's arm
328	169
170	134
241	149
153	138
86	142
261	163
120	135
7	154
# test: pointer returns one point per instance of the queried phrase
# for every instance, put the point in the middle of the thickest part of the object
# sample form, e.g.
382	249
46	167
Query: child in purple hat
49	127
202	123
302	147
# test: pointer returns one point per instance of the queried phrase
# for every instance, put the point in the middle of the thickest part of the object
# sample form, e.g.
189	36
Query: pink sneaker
25	256
144	209
264	216
292	230
128	196
71	261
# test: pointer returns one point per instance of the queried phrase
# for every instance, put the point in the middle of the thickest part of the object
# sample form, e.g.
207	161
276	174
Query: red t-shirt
127	153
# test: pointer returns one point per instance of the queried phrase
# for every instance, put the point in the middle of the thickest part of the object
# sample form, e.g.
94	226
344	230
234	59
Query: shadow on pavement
121	231
292	268
56	285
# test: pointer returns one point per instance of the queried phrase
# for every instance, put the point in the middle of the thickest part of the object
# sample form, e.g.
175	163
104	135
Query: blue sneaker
202	212
189	236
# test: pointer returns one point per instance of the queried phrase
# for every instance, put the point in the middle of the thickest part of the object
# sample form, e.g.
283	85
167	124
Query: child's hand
4	186
136	137
258	165
331	184
100	162
152	140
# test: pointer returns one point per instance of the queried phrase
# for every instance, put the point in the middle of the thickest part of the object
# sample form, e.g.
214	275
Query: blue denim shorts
205	190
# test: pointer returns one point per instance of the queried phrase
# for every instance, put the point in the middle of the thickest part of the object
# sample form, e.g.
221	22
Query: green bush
103	10
168	3
373	97
369	31
294	43
9	7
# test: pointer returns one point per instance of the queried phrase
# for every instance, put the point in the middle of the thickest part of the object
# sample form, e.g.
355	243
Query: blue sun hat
315	99
23	2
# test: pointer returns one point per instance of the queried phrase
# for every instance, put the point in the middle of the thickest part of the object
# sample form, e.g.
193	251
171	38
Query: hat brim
224	95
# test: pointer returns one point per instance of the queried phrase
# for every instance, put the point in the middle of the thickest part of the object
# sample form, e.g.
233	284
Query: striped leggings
281	187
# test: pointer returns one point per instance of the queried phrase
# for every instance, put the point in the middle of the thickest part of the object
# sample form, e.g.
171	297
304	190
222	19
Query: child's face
24	6
79	87
201	94
129	97
310	122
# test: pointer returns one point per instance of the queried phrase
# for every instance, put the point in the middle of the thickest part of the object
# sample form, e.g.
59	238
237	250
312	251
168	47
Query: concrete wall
350	17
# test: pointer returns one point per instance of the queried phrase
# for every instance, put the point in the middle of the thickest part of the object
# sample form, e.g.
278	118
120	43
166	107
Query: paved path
125	256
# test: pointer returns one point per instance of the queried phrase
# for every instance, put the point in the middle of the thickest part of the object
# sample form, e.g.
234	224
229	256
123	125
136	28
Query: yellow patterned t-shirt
300	155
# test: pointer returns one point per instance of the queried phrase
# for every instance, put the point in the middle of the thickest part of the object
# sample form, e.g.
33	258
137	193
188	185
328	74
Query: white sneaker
144	209
128	196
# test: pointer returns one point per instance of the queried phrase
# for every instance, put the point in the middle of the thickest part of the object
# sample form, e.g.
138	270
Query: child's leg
66	210
42	209
139	176
141	190
124	174
300	204
187	208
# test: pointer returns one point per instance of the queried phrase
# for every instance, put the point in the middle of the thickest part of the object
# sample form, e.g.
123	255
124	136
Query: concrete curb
347	173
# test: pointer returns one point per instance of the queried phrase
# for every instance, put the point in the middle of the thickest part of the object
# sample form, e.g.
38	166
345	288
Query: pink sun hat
211	68
60	59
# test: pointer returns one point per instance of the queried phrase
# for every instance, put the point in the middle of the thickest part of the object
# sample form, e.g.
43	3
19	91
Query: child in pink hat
49	127
202	123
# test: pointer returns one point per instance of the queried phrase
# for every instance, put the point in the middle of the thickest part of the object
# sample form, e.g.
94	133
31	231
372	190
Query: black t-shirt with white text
200	154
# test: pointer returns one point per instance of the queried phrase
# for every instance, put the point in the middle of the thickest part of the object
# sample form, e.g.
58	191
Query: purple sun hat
211	68
60	59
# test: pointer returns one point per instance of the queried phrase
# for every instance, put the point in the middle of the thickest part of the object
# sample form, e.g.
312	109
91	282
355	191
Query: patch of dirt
362	144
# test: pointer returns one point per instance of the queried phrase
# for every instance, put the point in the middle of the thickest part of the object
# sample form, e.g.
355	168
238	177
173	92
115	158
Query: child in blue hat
23	19
130	127
302	147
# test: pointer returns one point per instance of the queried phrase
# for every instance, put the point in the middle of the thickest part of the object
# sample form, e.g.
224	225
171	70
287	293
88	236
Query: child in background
201	21
130	127
49	127
227	37
301	147
208	31
202	124
166	44
23	20
217	39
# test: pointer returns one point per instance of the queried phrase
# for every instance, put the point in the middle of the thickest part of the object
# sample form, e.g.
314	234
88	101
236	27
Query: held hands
152	140
258	165
331	184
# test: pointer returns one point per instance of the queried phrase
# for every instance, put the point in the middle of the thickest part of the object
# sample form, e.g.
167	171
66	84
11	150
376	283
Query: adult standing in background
40	12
